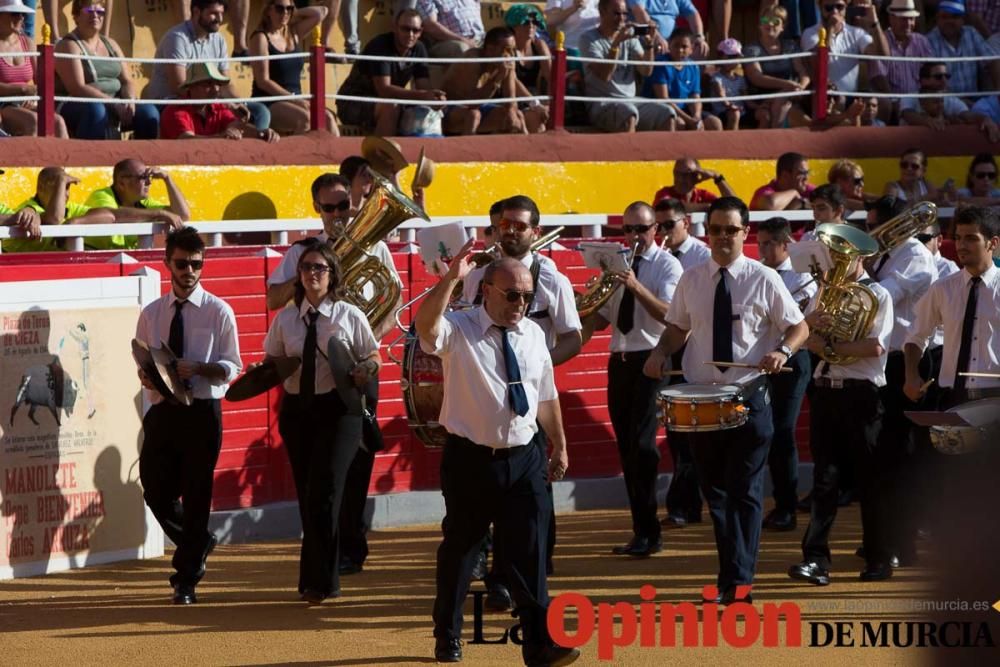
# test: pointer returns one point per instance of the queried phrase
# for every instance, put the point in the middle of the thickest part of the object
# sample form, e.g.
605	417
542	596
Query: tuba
893	233
852	306
599	290
384	209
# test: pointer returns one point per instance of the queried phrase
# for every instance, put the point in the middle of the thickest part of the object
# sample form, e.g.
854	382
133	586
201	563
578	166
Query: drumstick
927	385
981	375
730	364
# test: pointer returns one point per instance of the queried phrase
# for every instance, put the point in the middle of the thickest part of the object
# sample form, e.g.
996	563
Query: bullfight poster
70	425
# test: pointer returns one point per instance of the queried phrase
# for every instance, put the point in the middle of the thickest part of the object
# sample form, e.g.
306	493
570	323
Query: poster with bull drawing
69	433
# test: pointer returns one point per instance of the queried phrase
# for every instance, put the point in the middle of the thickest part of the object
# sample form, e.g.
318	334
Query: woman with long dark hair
320	430
981	182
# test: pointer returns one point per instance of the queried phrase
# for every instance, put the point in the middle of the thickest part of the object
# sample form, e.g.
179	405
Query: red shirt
698	196
178	119
771	188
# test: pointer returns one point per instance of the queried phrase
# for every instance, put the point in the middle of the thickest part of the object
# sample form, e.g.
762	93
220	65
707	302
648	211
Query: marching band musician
321	437
845	413
751	319
181	443
498	386
787	389
674	223
637	313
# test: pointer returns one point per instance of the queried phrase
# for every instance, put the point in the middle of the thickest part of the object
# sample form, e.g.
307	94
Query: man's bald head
507	291
506	266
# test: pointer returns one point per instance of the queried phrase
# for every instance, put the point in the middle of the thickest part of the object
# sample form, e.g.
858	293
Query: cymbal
384	156
424	173
261	378
160	366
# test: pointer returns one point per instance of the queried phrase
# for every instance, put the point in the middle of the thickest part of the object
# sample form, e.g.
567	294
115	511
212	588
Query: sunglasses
829	9
284	9
924	238
636	229
859	180
941	76
140	177
513	296
619	13
910	165
516	225
667	225
727	230
95	11
991	175
195	264
770	21
411	29
309	267
803	172
333	208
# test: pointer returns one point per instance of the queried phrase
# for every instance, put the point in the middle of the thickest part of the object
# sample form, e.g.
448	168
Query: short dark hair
497	207
980	158
522	203
829	192
730	204
886	208
925	68
984	218
787	161
407	12
313	244
351	166
778	227
328	180
496	35
670	204
200	5
186	239
681	33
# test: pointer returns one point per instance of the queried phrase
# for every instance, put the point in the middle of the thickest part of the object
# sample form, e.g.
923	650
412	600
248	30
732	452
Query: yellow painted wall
464	188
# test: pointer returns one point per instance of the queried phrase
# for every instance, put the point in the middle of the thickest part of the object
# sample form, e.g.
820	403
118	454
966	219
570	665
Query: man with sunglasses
939	113
688	173
181	443
790	188
753	320
129	189
952	38
844	38
673	224
637	312
900	76
498	390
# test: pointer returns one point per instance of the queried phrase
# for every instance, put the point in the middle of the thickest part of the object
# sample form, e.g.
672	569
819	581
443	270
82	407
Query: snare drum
423	392
983	417
703	407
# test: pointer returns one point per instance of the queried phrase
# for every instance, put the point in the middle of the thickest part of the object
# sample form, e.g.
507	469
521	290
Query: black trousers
731	467
846	420
787	392
632	404
321	442
353	525
507	488
684	494
180	447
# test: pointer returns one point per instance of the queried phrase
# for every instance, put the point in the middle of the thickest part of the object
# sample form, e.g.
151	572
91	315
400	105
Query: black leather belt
837	383
631	356
499	453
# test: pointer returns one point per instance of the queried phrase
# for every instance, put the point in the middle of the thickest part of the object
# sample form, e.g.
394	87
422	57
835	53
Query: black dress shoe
729	597
639	547
184	594
348	566
810	571
498	598
780	521
876	572
555	656
448	650
312	596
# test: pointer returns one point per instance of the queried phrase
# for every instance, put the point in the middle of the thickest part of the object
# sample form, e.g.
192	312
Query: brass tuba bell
599	290
893	233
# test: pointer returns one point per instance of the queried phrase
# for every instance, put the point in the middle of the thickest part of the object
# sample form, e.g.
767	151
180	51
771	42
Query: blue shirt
665	12
681	83
963	74
989	107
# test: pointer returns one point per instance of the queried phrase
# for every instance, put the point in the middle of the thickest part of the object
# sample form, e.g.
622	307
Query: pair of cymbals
386	158
262	377
159	364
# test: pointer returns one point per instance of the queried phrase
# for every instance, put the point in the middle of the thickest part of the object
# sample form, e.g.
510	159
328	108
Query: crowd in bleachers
650	50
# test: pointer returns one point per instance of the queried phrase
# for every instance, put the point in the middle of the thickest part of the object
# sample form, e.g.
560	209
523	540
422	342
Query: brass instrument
383	210
852	306
599	290
893	233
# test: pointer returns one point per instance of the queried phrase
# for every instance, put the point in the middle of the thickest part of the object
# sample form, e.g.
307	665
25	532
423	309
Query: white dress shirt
287	335
692	252
476	404
865	368
944	304
945	268
762	310
209	336
553	295
906	275
659	272
801	286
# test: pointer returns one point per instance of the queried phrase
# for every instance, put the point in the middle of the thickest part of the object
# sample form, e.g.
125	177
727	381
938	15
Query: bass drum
983	419
423	392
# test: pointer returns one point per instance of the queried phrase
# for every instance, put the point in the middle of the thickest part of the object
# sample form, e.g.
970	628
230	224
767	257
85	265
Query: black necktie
515	390
307	380
881	263
626	310
968	323
677	253
176	338
722	322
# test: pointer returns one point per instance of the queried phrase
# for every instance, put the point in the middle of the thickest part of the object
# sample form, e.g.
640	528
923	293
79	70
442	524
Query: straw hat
384	156
904	8
199	72
424	174
14	7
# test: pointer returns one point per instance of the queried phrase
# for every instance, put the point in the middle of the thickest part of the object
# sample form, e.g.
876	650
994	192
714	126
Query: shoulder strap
87	62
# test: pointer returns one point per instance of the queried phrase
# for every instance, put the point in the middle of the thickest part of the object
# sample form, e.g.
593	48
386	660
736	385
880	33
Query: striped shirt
462	17
989	10
963	74
903	76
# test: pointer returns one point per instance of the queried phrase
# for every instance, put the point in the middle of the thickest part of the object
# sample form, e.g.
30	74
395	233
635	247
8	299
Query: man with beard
790	188
181	443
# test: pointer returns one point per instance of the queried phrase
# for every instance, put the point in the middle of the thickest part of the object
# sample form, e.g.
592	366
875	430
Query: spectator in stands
729	81
892	76
452	26
239	19
614	39
988	107
952	38
939	113
99	79
358	173
783	75
912	186
850	178
17	74
688	173
673	224
485	80
848	39
388	79
27	219
981	182
869	115
348	16
665	13
197	39
984	16
129	192
573	17
789	190
281	30
676	80
210	120
533	77
798	15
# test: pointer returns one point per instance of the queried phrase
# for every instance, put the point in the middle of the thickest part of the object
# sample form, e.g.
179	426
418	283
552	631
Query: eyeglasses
636	229
859	180
770	21
140	177
513	296
727	230
413	30
940	76
991	175
913	166
531	21
333	208
619	13
309	267
667	225
515	225
924	238
802	172
829	9
95	11
183	264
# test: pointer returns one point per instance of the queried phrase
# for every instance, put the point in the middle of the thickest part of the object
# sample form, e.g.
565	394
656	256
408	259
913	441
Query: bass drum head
423	392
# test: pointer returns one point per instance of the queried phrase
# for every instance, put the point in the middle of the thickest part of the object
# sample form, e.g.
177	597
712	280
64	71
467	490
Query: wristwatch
785	350
828	349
